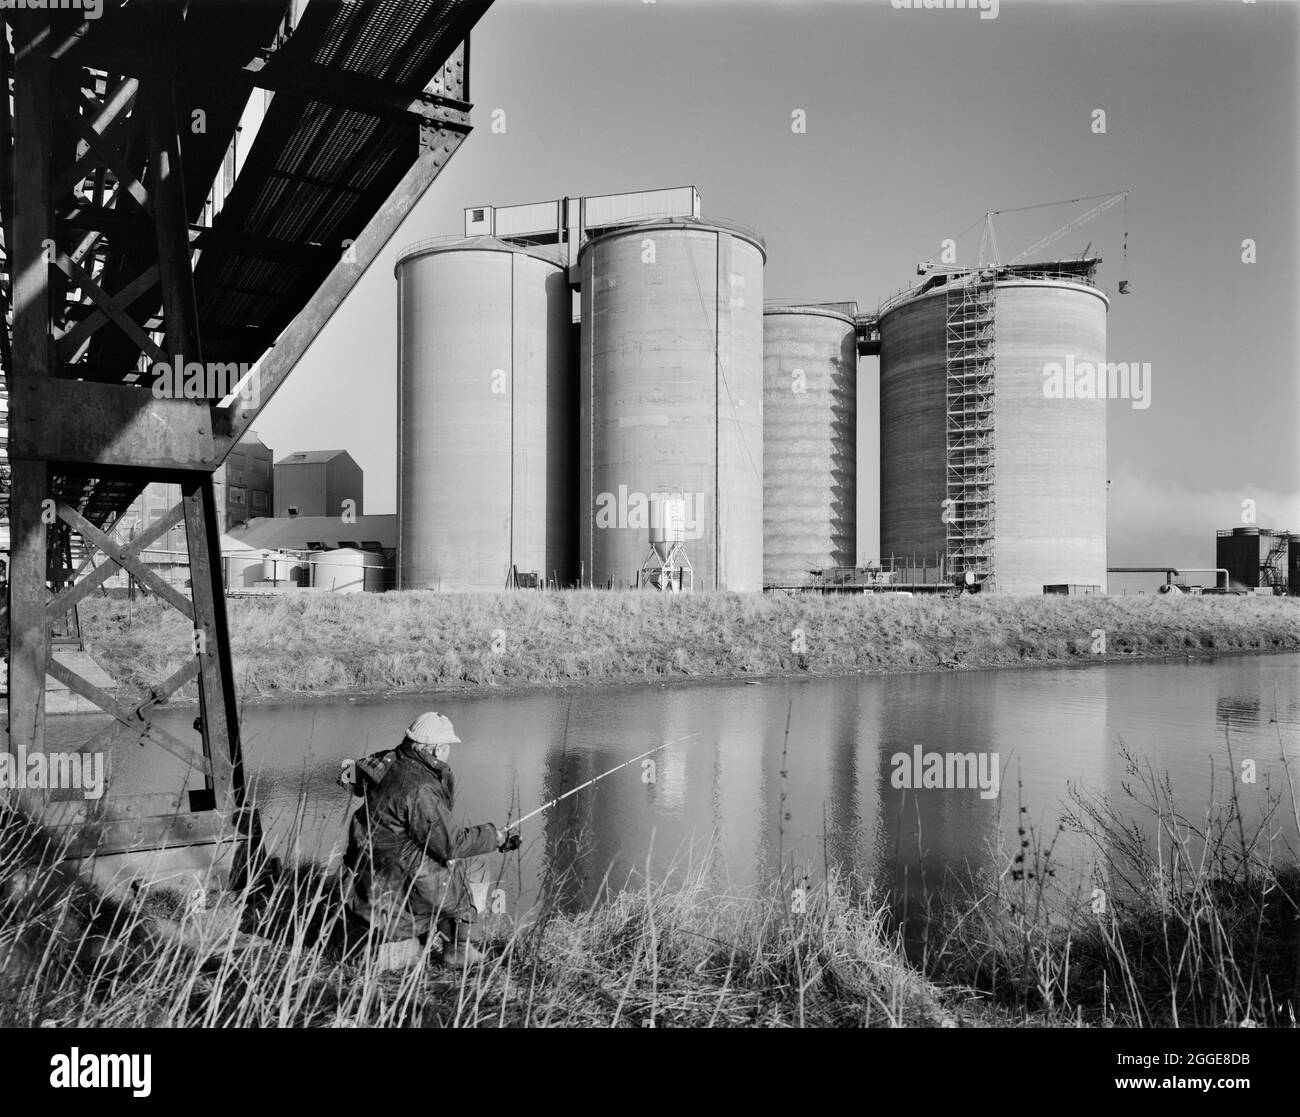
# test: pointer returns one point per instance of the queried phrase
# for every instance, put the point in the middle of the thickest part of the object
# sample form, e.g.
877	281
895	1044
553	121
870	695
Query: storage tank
1048	480
243	569
1240	553
346	570
284	568
1293	565
671	389
667	525
486	475
810	430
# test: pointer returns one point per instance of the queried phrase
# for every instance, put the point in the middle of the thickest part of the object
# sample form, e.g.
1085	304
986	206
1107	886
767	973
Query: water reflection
720	792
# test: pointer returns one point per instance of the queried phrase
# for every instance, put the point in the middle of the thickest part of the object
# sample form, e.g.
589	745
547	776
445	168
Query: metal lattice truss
969	447
120	253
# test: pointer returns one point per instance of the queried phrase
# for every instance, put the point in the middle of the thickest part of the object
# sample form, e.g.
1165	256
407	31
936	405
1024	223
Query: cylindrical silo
1044	431
671	388
1293	565
810	373
486	400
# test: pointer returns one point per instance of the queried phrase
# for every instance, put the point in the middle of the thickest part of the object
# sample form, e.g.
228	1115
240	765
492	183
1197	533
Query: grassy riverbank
1204	932
314	644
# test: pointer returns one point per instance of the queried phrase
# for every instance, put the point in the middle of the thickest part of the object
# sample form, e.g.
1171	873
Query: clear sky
917	123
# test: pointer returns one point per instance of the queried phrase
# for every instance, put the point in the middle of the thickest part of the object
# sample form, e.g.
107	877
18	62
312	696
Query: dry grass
1201	928
371	642
1186	922
267	956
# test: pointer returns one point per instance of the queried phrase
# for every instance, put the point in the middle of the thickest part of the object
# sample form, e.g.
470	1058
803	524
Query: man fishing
404	873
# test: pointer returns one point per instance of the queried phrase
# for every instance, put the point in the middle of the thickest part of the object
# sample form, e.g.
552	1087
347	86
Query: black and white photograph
649	514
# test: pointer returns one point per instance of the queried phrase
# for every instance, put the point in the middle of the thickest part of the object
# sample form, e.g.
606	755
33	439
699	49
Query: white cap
432	729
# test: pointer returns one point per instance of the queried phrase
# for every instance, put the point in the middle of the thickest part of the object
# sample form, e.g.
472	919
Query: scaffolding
969	507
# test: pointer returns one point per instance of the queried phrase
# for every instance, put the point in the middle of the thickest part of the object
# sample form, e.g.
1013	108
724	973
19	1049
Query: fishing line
597	779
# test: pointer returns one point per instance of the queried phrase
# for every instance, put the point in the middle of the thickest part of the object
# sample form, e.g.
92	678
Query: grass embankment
373	642
1203	932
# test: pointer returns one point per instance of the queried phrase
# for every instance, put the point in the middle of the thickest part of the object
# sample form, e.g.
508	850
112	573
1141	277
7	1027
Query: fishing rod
596	779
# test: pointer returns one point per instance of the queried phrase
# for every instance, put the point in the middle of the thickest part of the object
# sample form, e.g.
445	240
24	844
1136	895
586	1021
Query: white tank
243	569
348	571
282	568
667	524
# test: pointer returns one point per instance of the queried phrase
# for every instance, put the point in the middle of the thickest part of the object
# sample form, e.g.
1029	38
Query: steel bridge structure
122	254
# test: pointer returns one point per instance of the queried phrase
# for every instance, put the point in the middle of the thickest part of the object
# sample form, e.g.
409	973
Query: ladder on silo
969	510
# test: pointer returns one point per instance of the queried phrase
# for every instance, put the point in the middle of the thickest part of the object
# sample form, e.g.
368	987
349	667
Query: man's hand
507	842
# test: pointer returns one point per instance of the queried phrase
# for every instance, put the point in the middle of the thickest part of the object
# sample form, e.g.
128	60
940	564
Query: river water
716	798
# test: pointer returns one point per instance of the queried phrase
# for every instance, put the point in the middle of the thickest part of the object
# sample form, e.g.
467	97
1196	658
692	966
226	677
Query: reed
1200	927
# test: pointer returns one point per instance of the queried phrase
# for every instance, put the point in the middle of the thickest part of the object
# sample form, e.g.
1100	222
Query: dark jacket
401	841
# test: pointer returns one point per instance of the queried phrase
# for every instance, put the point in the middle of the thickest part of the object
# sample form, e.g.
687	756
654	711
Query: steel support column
32	359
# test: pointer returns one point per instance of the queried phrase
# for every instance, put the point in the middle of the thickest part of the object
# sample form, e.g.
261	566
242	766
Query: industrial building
531	446
544	438
982	473
1259	559
284	554
486	400
810	461
671	390
318	533
245	484
317	482
242	488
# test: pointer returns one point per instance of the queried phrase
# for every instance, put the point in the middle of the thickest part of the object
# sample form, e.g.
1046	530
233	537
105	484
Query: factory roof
301	533
311	457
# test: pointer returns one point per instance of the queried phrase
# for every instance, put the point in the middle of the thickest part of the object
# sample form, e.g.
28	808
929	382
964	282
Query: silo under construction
993	427
671	389
486	396
810	371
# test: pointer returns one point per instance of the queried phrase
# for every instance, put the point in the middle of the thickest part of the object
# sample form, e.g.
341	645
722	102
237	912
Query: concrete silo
671	389
810	372
486	399
989	458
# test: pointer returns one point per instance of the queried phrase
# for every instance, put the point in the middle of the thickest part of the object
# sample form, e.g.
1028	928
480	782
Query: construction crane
989	238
